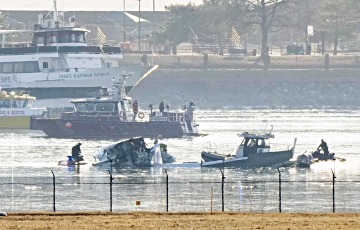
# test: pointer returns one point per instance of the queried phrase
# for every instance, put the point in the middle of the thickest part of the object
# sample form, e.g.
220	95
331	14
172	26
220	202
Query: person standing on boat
167	107
191	103
324	147
161	106
135	109
75	153
151	108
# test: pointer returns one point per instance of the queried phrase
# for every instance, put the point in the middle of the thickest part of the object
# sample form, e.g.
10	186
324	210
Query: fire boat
111	117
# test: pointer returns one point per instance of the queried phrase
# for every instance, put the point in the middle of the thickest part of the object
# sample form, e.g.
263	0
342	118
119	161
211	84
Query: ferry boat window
1	67
31	67
54	37
40	40
73	38
104	107
18	67
48	39
45	65
80	37
4	103
8	67
85	107
64	37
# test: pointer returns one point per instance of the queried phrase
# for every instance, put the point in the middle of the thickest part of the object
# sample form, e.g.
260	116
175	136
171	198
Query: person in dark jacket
151	107
162	106
191	103
75	153
135	109
324	147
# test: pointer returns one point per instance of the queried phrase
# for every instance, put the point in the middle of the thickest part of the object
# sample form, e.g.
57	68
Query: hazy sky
90	5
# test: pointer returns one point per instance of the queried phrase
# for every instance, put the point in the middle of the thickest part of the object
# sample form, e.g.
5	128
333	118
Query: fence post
167	191
279	190
222	189
327	61
206	59
53	191
111	179
333	173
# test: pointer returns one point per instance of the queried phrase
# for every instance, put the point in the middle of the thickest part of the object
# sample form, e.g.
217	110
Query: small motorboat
319	154
254	151
304	160
133	153
71	161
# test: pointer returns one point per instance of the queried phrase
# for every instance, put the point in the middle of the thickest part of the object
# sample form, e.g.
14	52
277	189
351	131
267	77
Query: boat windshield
20	103
243	142
267	142
105	107
85	107
261	142
59	37
4	103
251	142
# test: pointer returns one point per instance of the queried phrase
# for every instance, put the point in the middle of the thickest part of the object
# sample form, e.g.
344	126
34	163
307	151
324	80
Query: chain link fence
174	193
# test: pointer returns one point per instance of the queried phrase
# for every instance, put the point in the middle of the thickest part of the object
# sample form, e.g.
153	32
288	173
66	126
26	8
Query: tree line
289	19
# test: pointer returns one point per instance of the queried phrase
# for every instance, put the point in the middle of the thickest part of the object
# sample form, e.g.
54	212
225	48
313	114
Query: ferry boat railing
57	49
170	116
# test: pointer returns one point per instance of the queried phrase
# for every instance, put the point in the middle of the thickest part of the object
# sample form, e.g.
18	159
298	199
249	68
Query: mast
55	12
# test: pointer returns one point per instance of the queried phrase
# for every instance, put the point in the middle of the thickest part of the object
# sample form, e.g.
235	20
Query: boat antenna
55	12
266	127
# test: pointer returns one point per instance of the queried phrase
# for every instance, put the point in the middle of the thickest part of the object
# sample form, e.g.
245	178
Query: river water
27	158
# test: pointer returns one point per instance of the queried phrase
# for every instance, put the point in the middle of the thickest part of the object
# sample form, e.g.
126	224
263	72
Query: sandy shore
101	220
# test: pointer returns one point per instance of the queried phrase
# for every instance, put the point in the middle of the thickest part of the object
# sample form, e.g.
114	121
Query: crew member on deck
324	147
151	108
135	109
161	106
167	107
76	153
191	103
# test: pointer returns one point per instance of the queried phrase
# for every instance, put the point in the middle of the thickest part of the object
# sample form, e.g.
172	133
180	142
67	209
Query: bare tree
270	15
307	12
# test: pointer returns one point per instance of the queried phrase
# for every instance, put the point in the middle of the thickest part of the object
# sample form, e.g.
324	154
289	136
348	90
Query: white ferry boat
60	63
16	111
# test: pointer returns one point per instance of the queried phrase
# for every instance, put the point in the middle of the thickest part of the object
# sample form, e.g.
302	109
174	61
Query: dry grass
101	220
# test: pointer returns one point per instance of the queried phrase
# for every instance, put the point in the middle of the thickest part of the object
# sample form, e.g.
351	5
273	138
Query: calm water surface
27	158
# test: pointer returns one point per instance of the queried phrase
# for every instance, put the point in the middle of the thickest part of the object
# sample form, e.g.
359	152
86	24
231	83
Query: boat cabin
100	107
11	101
65	36
55	47
254	143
